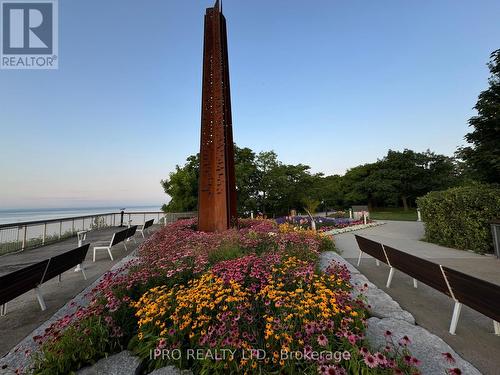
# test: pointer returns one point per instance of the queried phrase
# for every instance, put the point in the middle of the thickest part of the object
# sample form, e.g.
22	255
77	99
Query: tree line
266	185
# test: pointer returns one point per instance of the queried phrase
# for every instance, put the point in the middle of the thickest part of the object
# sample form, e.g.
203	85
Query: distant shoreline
30	214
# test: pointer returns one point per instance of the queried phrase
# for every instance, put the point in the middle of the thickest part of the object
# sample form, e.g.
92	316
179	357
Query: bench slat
65	261
421	269
372	248
478	294
21	281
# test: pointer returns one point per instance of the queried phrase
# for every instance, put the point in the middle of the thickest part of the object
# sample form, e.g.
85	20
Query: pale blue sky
327	83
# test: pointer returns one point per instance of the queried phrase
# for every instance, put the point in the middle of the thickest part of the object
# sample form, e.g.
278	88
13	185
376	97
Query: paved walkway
474	339
24	314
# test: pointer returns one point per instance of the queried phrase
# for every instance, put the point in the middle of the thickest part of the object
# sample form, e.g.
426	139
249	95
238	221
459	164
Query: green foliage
266	185
482	158
78	346
459	217
182	186
393	214
226	251
327	244
311	205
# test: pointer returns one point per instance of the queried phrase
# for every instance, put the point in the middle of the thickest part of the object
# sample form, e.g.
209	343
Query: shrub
459	217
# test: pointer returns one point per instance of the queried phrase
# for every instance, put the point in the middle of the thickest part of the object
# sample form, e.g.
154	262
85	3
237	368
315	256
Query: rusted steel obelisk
217	190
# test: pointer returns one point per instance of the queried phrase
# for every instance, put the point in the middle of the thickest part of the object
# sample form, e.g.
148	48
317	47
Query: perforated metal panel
217	191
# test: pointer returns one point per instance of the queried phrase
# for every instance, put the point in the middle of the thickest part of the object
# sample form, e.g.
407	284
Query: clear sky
331	84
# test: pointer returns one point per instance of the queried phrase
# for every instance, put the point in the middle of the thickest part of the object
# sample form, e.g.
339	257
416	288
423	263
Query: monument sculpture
217	190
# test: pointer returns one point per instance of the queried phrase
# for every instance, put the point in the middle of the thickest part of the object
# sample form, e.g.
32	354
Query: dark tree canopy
482	157
268	186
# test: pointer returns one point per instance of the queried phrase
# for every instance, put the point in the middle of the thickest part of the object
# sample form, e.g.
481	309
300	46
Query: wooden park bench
464	289
143	227
33	276
118	237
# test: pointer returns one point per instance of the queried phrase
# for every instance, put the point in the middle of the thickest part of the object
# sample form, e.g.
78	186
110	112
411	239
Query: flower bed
323	224
247	300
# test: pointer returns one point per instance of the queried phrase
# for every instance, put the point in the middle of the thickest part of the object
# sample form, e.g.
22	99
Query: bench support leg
415	285
3	310
59	278
454	318
496	326
124	244
389	279
93	256
359	257
83	273
143	234
377	262
40	298
111	255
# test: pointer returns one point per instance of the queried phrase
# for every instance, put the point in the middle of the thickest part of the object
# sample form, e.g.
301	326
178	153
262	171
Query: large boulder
425	346
123	363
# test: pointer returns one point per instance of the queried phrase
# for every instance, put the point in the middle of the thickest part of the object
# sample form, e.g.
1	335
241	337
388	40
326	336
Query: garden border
386	315
16	357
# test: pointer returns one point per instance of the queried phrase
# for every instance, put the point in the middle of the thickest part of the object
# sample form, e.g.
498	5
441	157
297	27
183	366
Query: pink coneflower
364	351
381	359
323	369
322	340
161	344
370	361
405	341
407	359
448	357
454	371
334	370
415	361
387	333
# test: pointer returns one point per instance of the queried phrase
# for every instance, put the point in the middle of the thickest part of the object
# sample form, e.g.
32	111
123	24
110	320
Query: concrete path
24	313
474	339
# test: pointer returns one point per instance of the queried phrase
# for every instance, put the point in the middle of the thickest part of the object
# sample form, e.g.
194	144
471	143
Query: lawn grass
394	214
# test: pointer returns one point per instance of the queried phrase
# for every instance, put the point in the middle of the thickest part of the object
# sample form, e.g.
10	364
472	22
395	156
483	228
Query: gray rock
381	305
326	257
171	370
424	345
123	363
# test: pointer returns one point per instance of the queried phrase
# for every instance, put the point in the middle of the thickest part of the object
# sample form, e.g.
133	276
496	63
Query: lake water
19	215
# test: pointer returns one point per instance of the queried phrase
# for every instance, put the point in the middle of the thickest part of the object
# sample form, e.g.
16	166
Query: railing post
73	226
25	228
419	215
44	233
121	218
144	220
83	223
114	219
60	229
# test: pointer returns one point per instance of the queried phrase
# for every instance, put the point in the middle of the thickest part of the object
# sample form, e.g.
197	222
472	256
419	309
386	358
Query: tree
247	176
182	186
483	156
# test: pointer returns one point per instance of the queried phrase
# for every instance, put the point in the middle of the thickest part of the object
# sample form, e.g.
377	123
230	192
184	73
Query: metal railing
30	234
